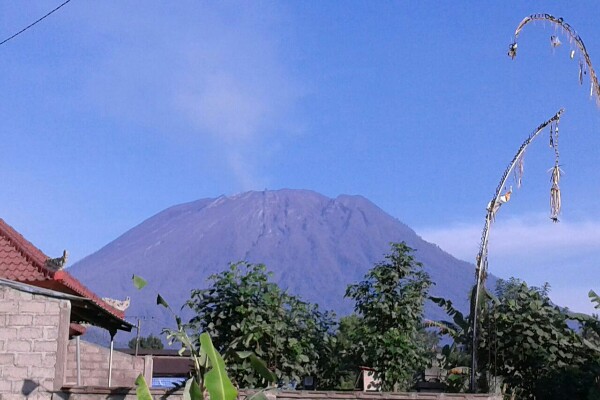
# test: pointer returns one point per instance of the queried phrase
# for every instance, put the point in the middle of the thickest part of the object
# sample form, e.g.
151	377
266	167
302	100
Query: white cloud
532	234
211	74
222	106
532	248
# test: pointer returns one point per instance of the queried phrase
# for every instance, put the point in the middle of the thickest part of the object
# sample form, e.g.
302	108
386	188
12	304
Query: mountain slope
314	245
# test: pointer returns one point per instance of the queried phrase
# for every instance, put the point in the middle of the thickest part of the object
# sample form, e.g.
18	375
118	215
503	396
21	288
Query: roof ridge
74	284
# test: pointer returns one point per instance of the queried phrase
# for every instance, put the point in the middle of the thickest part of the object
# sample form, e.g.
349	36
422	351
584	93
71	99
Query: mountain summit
314	245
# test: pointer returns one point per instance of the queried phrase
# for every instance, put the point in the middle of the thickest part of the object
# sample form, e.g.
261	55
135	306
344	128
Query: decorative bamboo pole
516	166
585	63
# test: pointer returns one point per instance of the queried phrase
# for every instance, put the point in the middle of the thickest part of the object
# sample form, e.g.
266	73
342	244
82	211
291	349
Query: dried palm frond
494	205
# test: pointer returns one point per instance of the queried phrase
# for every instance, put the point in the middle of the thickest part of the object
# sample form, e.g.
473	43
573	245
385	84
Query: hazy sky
112	111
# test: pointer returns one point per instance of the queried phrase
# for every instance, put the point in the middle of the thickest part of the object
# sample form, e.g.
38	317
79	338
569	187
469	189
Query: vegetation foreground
528	348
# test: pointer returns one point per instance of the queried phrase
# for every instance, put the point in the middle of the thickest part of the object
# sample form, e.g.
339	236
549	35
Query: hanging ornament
555	200
555	41
555	141
572	54
580	72
519	170
512	50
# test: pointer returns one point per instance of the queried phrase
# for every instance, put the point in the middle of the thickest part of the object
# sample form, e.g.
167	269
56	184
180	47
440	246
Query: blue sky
112	111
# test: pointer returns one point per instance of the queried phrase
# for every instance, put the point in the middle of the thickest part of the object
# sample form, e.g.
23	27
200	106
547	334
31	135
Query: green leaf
162	302
216	380
141	388
261	369
202	357
303	358
244	354
138	282
192	390
594	298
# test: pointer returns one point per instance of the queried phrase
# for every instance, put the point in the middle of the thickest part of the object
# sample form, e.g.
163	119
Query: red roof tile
21	261
76	329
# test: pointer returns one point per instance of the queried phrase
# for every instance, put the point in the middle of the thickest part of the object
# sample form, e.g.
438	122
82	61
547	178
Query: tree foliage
527	343
147	342
534	349
346	357
389	302
242	310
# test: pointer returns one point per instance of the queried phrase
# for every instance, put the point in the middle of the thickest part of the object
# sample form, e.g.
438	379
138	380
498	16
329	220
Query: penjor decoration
502	196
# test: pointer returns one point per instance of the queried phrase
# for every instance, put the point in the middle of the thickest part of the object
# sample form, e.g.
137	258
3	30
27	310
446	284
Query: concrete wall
121	394
33	338
94	366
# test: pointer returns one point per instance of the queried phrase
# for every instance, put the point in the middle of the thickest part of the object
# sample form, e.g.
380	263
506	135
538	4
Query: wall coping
104	392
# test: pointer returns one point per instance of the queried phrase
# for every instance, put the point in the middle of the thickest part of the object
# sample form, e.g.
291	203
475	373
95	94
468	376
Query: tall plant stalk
585	63
516	166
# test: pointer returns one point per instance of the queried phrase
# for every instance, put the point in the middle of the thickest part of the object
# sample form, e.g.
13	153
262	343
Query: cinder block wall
31	338
94	366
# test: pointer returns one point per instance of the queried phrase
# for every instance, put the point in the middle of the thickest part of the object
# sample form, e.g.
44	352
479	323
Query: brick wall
94	366
33	334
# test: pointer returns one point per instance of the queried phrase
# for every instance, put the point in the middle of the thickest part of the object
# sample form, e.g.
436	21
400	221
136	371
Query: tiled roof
21	261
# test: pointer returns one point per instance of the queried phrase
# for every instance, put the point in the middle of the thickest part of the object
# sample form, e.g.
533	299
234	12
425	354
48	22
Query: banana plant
209	374
454	358
209	371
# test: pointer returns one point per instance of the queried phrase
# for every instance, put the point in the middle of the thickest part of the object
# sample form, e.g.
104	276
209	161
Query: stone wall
94	366
33	336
